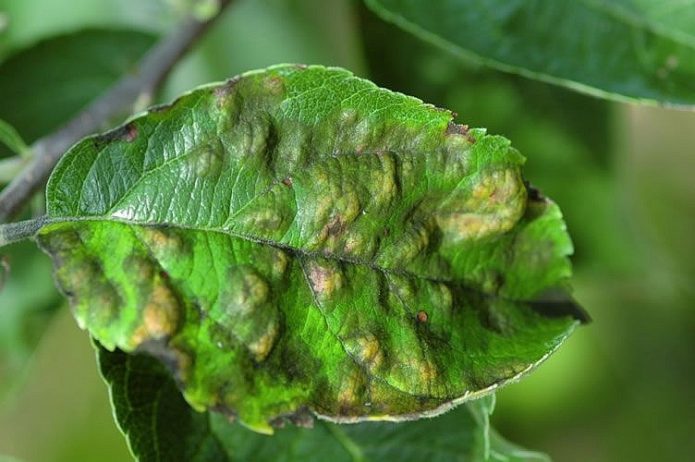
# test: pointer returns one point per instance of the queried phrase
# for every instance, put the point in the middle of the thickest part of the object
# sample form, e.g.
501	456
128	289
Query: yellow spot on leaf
261	347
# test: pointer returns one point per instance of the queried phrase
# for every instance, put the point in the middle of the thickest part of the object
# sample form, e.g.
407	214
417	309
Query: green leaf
43	86
160	426
10	138
150	411
623	50
297	241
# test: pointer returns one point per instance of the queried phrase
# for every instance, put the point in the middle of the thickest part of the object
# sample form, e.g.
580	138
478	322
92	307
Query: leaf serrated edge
468	396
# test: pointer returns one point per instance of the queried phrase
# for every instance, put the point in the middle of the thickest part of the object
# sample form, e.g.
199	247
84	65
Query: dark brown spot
336	226
127	132
456	129
225	89
422	316
225	411
177	362
302	418
534	195
131	132
287	182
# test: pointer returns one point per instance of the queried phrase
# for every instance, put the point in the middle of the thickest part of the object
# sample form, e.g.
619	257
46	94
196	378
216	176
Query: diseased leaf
160	426
640	51
297	241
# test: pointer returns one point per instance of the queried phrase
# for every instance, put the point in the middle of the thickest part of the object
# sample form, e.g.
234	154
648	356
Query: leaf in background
160	426
43	86
624	50
11	139
257	34
150	411
298	241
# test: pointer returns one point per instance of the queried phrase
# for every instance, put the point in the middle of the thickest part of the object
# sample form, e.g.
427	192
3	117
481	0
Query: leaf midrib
295	251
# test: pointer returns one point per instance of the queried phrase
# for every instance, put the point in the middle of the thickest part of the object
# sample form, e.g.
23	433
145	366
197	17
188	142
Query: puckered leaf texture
297	241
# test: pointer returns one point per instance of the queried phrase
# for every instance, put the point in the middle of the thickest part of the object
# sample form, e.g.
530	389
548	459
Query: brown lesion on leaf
207	159
93	299
325	278
131	132
348	395
163	241
261	346
421	372
492	205
142	267
287	181
127	133
336	226
336	208
459	129
422	317
419	233
221	92
494	188
534	194
302	417
274	85
159	317
280	260
177	361
223	409
454	128
100	307
366	350
252	293
245	311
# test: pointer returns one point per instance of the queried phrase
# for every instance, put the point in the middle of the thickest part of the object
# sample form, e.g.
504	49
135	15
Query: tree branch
151	72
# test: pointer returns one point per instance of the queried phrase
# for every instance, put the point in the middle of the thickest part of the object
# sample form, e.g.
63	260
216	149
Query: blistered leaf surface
297	241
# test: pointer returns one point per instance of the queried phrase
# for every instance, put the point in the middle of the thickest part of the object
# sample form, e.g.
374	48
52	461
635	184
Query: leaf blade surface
622	50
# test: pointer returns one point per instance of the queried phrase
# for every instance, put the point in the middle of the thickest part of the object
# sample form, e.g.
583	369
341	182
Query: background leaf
43	86
11	139
160	426
624	50
335	278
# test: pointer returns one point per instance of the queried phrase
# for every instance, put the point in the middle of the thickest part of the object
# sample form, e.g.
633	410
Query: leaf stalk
19	231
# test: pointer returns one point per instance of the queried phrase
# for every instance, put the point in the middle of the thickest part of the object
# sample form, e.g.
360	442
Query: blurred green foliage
620	389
